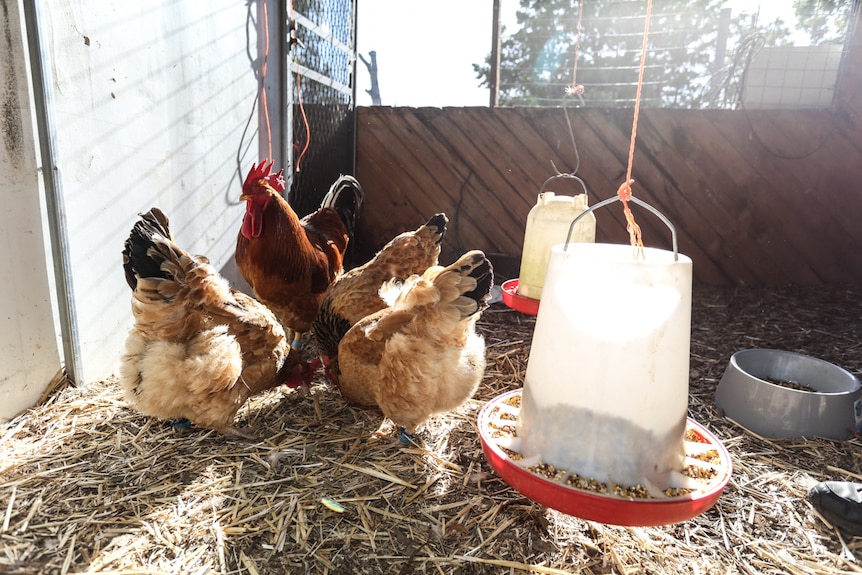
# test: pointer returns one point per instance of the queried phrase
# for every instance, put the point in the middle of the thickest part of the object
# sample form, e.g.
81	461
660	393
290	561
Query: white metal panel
29	352
154	105
793	77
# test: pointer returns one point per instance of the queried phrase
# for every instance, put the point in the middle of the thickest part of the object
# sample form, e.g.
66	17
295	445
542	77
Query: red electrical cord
263	102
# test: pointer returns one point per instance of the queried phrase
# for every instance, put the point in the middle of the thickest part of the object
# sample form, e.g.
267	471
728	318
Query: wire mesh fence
700	54
321	48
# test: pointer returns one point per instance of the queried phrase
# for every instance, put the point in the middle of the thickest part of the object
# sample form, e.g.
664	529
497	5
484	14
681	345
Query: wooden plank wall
762	197
758	198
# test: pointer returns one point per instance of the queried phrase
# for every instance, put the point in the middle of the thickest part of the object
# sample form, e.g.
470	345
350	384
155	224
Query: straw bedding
88	485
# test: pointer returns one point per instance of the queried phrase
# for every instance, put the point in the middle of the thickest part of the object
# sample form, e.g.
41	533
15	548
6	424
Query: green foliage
681	68
825	21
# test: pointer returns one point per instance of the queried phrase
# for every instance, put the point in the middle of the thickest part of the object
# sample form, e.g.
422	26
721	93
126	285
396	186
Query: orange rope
294	42
264	106
304	119
625	190
575	89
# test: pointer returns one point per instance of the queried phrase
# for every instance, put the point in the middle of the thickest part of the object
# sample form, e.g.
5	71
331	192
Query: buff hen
421	354
198	348
355	294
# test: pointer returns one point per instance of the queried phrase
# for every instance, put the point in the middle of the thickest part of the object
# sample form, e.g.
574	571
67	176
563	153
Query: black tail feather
346	197
484	276
439	222
138	255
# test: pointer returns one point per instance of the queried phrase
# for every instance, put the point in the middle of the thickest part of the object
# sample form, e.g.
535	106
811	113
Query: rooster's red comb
263	171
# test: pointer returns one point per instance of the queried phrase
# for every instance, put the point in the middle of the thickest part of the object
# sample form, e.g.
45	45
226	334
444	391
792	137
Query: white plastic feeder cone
606	389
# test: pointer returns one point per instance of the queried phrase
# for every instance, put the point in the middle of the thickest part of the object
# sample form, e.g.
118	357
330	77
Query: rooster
355	295
421	354
289	262
198	348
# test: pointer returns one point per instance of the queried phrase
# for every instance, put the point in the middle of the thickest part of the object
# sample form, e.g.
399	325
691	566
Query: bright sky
426	50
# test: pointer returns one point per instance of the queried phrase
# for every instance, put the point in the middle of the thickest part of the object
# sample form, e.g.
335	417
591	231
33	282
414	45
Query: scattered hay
88	485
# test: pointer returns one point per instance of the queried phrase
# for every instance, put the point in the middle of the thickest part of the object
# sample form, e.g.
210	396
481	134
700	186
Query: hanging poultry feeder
548	224
600	429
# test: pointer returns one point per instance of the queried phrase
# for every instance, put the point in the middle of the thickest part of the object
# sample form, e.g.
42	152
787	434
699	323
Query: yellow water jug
548	225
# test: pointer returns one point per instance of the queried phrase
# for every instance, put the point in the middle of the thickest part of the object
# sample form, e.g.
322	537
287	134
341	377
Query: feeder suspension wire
557	172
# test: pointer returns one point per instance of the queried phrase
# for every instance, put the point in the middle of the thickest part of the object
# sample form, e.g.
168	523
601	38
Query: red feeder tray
516	301
595	506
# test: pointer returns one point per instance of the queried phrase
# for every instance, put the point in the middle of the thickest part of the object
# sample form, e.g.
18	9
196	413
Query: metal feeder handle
642	203
563	176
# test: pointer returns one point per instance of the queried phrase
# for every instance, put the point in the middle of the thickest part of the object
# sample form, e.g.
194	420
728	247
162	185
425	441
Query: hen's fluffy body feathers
420	355
198	349
355	294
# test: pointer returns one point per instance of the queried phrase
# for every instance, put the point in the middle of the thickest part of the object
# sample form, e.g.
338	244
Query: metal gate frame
319	129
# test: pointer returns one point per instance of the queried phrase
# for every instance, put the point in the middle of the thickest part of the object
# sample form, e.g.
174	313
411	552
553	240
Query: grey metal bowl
832	407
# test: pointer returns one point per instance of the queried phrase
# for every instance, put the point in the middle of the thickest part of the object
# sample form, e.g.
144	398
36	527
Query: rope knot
625	192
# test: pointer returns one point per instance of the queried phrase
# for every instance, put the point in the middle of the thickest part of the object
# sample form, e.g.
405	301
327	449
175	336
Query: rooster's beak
244	197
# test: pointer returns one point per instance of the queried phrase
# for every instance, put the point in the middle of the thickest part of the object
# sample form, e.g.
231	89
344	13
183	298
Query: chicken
355	294
198	348
421	355
289	262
